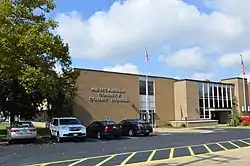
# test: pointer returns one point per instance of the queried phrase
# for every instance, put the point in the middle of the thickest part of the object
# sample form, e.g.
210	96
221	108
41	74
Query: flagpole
244	88
147	106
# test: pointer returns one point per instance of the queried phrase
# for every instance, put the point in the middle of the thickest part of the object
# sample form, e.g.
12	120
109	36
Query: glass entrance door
143	116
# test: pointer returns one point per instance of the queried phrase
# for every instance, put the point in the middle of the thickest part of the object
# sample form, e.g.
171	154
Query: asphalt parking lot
141	157
125	151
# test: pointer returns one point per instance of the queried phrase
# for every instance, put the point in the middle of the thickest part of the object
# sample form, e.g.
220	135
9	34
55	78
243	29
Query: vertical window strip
213	94
227	96
231	96
208	91
203	97
218	98
222	95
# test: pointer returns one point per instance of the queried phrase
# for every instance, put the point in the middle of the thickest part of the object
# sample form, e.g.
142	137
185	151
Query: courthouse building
108	95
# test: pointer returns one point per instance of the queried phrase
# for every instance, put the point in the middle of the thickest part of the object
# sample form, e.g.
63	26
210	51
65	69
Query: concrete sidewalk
239	157
188	130
196	129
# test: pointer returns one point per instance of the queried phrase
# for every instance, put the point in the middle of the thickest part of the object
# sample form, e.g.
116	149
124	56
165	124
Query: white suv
67	127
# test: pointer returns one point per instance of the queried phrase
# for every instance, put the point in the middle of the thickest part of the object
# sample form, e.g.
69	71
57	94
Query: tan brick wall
180	100
238	90
186	100
192	100
88	111
164	100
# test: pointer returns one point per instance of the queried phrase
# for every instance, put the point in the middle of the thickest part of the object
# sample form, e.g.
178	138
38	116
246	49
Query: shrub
169	125
244	123
183	125
40	119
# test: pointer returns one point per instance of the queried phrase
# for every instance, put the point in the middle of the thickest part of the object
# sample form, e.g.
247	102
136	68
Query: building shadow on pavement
216	159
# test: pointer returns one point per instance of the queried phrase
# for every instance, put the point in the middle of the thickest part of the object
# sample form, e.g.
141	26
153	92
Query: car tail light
32	130
106	128
14	130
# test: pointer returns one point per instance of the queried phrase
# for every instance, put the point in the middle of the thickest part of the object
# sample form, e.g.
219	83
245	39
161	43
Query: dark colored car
132	127
104	129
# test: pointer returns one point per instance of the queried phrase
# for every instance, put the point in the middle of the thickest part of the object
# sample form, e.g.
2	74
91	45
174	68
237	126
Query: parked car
21	130
132	127
67	128
104	129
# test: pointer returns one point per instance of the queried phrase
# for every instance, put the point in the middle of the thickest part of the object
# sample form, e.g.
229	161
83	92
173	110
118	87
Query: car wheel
130	133
83	139
146	134
10	141
99	135
33	140
58	138
51	135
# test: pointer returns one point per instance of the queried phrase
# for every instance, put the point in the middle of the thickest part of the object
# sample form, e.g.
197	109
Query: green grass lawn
40	131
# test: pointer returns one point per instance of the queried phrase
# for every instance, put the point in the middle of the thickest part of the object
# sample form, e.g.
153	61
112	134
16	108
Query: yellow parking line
55	162
233	144
128	158
171	154
125	153
221	146
208	149
161	161
106	160
151	156
77	162
191	151
244	142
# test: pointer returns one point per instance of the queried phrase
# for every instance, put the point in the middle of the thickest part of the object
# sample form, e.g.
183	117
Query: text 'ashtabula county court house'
119	96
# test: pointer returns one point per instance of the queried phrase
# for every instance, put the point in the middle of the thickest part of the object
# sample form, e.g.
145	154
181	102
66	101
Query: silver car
21	130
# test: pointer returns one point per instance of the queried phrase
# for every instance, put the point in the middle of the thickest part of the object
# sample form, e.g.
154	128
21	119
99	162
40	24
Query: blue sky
196	55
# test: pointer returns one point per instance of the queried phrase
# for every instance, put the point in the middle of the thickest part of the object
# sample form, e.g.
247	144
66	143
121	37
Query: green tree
29	51
235	121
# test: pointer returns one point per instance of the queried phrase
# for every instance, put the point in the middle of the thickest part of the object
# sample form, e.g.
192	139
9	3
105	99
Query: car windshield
136	121
22	124
108	123
69	121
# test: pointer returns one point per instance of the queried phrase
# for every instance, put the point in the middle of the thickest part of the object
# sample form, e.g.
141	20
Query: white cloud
125	29
126	68
233	60
194	39
188	59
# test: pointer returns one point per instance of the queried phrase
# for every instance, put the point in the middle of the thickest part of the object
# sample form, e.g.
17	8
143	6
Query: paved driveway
126	150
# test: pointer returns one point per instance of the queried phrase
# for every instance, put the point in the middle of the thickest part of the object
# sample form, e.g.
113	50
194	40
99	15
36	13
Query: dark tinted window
108	123
55	122
94	125
122	122
142	87
22	124
136	121
69	121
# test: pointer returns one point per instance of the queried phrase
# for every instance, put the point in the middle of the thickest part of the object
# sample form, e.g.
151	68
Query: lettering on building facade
105	95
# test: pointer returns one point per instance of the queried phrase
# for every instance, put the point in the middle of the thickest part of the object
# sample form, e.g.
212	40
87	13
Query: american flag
242	66
146	55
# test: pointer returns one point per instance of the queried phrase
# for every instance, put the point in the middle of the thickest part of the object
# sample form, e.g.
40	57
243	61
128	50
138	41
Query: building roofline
240	78
206	81
128	74
153	76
